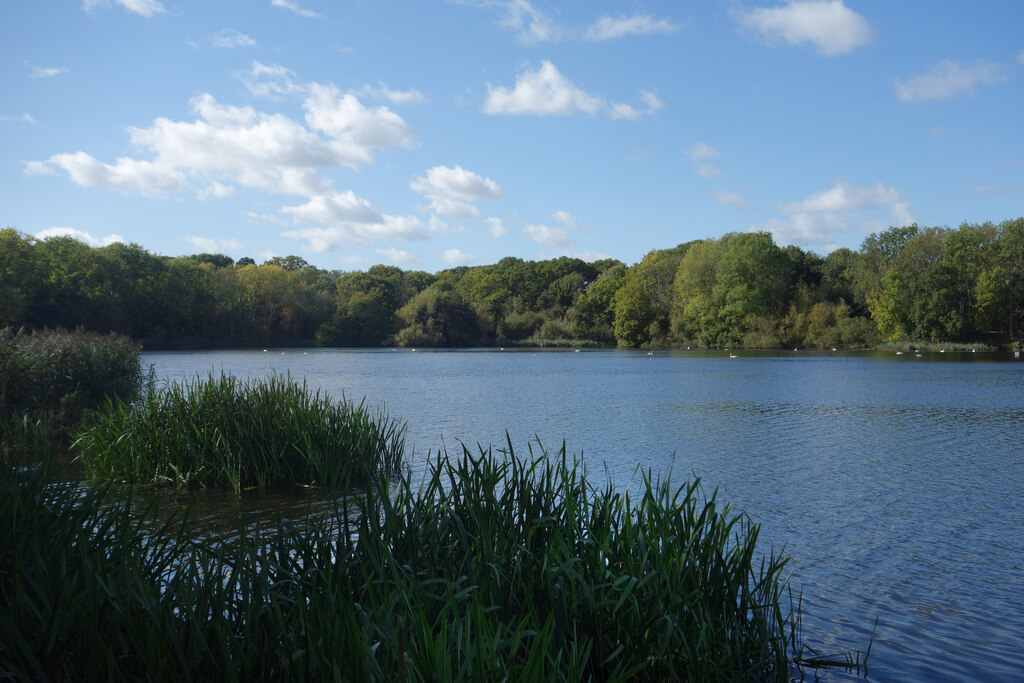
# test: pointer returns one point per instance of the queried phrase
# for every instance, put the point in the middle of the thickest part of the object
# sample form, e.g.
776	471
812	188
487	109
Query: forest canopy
906	283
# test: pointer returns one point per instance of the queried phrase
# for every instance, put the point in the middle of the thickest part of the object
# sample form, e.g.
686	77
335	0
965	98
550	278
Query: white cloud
227	146
270	80
829	25
212	246
607	28
651	100
589	255
709	172
625	111
38	168
286	4
532	25
410	96
267	218
254	149
397	256
726	198
127	173
146	8
453	209
548	236
338	207
218	190
1020	57
987	190
438	225
815	220
80	236
24	118
456	183
457	257
809	230
48	71
849	197
948	80
229	38
451	191
351	124
545	92
497	227
408	228
566	218
702	151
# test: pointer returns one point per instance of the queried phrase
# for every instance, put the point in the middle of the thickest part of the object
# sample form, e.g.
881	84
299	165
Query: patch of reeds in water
227	432
494	568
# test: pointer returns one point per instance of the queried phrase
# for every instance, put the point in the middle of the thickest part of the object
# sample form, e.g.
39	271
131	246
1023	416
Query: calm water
895	483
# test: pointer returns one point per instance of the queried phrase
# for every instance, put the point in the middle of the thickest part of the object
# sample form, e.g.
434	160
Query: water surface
895	483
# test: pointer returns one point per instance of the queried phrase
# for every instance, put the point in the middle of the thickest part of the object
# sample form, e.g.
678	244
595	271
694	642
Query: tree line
906	283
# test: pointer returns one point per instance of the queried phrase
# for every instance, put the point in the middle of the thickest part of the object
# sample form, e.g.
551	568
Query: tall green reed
64	374
495	567
227	432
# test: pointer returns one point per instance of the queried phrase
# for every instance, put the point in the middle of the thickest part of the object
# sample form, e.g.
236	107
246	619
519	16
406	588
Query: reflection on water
895	483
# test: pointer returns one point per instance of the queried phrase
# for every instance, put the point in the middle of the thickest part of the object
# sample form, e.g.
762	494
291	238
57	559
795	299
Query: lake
894	482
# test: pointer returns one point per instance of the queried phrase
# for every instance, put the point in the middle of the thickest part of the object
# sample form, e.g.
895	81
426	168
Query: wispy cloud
230	38
609	28
294	7
145	8
48	71
532	25
732	199
948	80
699	154
24	118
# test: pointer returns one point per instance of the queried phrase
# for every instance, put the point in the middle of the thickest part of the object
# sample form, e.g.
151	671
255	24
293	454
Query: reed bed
496	567
56	379
227	432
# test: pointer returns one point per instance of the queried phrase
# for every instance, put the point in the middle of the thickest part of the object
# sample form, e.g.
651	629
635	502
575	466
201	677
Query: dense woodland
918	284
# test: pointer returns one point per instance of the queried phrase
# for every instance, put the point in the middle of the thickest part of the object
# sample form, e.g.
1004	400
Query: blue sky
432	133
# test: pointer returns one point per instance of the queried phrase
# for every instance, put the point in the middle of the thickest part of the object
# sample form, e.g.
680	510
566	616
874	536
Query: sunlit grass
227	432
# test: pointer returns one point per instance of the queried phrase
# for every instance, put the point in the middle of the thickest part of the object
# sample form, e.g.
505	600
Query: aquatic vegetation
494	568
60	377
223	431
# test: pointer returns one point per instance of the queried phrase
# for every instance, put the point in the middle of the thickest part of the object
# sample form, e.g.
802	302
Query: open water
895	483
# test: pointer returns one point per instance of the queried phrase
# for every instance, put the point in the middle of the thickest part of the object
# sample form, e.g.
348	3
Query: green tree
633	315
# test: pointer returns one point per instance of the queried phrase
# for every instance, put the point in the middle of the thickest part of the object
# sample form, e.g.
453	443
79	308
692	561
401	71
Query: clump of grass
226	432
495	568
499	567
64	373
51	382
